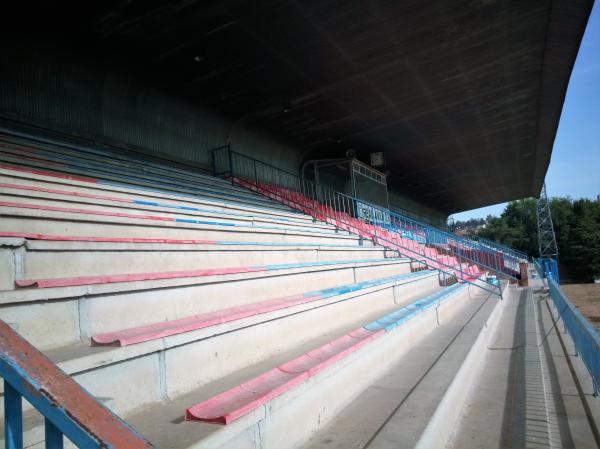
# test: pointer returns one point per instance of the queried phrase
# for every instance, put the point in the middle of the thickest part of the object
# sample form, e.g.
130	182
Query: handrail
445	234
486	244
412	253
585	337
232	164
325	194
67	408
501	247
444	251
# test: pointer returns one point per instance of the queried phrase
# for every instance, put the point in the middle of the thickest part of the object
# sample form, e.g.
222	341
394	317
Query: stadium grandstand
223	225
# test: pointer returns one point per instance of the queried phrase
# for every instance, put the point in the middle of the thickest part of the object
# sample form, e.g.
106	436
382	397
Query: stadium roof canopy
464	97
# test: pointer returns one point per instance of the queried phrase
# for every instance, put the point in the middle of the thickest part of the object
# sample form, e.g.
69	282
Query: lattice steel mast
546	238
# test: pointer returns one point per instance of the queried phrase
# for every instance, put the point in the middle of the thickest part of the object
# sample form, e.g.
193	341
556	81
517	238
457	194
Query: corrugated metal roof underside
463	96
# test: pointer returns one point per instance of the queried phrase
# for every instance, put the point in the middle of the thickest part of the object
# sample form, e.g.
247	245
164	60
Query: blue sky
575	165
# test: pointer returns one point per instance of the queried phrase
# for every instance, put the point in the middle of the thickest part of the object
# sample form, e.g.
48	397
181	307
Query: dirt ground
587	299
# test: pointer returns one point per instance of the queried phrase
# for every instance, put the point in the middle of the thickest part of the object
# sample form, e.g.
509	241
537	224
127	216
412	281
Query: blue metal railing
502	248
334	206
68	409
583	334
585	337
547	267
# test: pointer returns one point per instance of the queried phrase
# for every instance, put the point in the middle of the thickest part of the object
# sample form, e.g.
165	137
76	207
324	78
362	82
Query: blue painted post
13	418
54	437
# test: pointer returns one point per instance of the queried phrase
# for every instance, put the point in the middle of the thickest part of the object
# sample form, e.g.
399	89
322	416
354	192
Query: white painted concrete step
94	208
52	317
39	259
77	224
175	186
289	419
146	164
9	176
138	376
104	168
113	204
395	410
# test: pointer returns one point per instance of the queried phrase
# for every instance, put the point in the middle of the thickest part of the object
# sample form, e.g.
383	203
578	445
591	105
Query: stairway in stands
458	258
202	313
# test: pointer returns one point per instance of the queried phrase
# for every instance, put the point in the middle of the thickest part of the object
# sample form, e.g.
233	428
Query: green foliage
470	223
576	225
516	227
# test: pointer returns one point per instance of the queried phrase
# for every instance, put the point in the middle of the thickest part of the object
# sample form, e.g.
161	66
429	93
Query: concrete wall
86	97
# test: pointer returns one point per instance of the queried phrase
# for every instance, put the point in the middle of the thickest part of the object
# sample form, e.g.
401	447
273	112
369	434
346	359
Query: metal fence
502	248
376	222
584	335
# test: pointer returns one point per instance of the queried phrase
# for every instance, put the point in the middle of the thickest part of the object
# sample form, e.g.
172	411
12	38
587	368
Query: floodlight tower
546	238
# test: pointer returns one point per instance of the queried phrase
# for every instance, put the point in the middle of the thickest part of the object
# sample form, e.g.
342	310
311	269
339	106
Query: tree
581	249
516	227
576	225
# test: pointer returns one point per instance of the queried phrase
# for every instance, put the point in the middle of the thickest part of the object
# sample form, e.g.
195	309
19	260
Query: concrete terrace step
145	373
235	403
80	357
85	187
50	199
395	410
103	168
227	199
14	191
27	256
99	210
116	161
242	196
187	324
28	144
160	275
113	161
289	418
98	285
50	317
78	222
